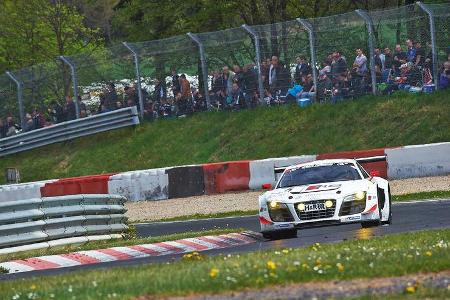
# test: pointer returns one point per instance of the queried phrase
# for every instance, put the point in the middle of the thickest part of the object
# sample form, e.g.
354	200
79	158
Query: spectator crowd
236	87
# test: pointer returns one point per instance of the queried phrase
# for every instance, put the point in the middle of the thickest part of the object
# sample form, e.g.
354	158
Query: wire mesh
230	58
44	85
287	43
107	78
8	101
441	15
163	64
398	33
102	78
343	72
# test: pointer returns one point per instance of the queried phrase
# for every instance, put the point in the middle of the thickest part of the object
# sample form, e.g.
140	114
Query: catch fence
145	73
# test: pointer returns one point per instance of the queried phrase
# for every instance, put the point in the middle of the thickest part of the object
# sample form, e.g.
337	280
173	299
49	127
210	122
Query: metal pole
201	50
258	61
312	41
365	16
138	78
19	97
75	84
434	53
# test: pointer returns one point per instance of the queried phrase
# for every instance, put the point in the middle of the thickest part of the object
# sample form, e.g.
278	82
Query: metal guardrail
69	130
36	220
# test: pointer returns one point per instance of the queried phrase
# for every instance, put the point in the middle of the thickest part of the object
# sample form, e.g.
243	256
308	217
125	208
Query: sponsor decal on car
283	225
353	218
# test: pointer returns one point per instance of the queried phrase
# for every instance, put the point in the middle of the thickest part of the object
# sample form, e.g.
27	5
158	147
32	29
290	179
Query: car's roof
323	162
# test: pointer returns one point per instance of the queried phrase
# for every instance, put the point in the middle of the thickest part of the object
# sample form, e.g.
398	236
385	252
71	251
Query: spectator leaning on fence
399	59
160	91
360	63
175	83
301	69
69	109
388	59
444	76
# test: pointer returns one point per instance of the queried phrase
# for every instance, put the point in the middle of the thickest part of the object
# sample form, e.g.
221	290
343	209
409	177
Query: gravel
209	204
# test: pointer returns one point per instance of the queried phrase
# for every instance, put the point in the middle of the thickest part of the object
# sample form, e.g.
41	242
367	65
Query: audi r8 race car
324	192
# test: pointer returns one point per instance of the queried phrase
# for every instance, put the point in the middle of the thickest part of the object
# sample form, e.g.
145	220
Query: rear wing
279	170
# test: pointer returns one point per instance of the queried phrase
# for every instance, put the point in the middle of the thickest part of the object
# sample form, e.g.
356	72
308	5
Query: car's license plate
314	207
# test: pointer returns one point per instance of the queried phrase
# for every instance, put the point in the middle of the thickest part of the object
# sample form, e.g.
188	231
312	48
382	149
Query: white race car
324	192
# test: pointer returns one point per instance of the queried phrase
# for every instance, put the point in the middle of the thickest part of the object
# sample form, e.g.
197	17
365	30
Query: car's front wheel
389	220
280	234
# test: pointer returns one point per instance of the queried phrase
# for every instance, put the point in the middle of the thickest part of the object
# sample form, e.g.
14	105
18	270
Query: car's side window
363	172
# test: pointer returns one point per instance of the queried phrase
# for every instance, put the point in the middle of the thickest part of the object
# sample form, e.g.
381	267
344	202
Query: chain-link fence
284	49
170	70
102	78
9	108
327	59
441	16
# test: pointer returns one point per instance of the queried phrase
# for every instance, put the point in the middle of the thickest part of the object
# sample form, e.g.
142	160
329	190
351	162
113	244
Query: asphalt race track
407	216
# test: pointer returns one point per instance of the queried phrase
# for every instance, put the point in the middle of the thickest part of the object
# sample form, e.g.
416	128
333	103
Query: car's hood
331	190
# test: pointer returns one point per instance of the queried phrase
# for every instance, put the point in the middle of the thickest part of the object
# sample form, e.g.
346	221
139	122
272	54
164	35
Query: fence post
312	41
368	20
19	97
138	78
204	66
258	61
75	84
428	11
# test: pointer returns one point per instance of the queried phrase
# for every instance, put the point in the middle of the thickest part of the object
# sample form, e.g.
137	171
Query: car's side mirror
267	186
374	173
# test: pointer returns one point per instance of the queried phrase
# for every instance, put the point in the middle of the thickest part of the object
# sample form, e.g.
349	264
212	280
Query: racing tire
389	220
281	234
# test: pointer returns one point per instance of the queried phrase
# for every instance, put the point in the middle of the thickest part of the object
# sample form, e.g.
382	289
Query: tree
39	30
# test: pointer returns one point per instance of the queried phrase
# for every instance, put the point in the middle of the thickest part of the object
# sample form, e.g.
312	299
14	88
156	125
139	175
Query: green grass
113	243
239	213
394	255
369	122
422	195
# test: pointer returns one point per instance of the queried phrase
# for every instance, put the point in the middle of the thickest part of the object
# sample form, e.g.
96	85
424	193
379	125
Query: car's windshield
319	174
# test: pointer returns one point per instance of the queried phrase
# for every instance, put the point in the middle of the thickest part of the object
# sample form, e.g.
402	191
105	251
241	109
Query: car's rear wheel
280	234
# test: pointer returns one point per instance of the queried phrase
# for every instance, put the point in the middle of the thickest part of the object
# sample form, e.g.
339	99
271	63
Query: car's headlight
279	211
358	196
274	204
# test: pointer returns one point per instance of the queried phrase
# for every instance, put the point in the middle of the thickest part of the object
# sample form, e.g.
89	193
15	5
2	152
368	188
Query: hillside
365	123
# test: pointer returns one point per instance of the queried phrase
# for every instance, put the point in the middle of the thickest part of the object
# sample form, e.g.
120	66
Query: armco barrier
186	181
380	166
262	171
37	220
97	184
69	130
418	161
226	177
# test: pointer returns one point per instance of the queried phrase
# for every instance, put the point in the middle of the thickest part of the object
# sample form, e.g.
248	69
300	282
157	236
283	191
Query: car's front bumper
371	213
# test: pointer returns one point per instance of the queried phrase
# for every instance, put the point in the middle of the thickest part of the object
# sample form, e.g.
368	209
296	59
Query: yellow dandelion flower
340	267
213	272
33	287
271	265
285	251
428	253
410	289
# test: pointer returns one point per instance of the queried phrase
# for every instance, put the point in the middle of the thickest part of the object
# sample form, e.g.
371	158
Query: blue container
429	88
304	102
